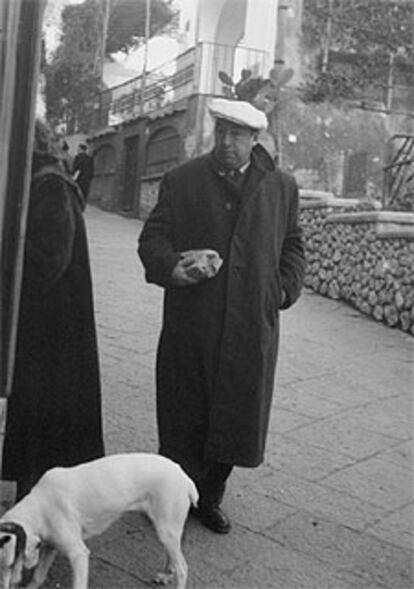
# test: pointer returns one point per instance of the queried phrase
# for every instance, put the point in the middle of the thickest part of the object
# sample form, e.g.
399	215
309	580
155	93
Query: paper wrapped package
201	264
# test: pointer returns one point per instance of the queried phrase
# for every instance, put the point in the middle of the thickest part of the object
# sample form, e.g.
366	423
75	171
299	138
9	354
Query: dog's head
17	551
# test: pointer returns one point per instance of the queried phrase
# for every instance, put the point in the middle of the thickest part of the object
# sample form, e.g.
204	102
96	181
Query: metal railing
193	72
399	174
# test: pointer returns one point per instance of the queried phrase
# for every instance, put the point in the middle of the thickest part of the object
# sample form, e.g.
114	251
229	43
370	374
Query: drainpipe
99	65
144	67
325	55
100	58
285	12
390	81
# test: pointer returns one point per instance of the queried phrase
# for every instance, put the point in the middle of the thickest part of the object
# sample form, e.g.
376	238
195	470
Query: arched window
163	151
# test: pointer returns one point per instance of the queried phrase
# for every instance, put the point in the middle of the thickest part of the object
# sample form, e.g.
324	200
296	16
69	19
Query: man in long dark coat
83	169
219	341
54	411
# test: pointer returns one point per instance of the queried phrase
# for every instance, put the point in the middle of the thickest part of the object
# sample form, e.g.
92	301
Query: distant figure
54	411
67	159
83	169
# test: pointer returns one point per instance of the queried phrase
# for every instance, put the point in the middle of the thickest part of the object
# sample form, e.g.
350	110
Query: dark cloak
219	341
54	412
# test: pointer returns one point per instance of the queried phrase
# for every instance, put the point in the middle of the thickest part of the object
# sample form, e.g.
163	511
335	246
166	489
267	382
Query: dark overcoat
83	165
54	412
219	340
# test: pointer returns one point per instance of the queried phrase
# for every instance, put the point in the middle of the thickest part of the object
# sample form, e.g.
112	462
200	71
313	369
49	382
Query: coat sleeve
155	247
49	235
292	262
75	166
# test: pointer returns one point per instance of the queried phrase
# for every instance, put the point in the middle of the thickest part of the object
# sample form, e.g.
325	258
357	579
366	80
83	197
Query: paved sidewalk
331	508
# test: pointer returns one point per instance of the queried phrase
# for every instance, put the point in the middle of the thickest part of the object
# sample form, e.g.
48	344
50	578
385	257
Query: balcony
193	72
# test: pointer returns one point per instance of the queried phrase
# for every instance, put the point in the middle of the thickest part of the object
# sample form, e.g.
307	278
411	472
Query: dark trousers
212	483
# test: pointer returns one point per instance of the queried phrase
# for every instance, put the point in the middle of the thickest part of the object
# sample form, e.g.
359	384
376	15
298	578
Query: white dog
68	505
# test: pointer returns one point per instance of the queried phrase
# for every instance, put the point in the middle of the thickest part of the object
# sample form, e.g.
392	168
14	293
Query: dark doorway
131	173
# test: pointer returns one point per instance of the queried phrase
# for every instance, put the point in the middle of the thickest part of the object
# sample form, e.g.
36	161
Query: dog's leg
169	527
176	565
6	579
167	575
46	558
78	555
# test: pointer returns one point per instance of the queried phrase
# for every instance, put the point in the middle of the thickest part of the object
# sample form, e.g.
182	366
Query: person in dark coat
219	340
83	169
67	159
54	411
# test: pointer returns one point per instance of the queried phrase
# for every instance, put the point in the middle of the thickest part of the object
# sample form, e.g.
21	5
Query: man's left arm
292	261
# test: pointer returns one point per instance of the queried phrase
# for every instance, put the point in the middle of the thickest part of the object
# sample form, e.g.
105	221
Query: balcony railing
193	72
399	174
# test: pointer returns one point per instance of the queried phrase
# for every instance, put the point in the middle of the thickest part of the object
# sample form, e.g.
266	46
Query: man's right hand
179	276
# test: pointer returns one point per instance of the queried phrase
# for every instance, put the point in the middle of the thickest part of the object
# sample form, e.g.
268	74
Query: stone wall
364	258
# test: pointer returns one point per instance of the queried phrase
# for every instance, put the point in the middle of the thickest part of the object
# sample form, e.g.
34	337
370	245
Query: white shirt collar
244	167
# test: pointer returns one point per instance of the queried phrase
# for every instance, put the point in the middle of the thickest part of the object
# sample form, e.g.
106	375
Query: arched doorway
103	183
130	193
163	152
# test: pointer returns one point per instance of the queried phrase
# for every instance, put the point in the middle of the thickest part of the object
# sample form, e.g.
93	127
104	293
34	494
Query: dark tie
235	174
235	177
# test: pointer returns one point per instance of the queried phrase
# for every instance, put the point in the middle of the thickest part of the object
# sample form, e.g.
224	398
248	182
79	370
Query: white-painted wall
250	23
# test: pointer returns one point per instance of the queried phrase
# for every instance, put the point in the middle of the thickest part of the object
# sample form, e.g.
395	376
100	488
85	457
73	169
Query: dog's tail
192	492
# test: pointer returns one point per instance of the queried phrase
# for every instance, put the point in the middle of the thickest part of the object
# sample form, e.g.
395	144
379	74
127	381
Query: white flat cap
238	112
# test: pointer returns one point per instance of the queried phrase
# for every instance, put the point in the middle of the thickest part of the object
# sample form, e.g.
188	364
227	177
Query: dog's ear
32	551
8	544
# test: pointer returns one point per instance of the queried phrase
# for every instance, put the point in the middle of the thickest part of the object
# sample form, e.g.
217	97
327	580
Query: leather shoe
214	518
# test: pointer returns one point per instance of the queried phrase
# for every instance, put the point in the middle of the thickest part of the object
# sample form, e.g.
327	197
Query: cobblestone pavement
332	506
